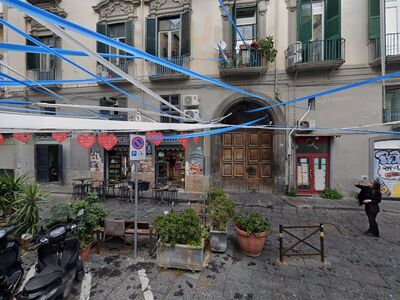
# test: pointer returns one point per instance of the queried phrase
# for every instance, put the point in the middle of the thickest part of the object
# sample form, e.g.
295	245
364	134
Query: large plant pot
181	257
251	244
85	252
218	240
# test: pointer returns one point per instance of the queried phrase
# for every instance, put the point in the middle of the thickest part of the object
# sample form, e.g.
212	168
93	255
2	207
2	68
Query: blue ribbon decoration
42	14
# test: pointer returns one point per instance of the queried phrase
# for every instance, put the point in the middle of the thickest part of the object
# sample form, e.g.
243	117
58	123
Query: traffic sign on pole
137	147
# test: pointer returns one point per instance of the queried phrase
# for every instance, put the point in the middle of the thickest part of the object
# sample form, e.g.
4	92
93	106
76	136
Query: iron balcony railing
242	58
157	70
392	46
315	51
39	74
391	114
106	73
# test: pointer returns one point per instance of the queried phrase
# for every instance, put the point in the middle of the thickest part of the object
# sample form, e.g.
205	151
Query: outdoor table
160	192
82	180
82	185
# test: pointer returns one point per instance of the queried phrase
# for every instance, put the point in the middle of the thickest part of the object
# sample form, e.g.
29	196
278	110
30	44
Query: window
391	109
174	100
246	21
50	110
114	102
168	37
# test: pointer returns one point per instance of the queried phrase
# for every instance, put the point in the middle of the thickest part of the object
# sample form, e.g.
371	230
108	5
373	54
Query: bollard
321	234
280	243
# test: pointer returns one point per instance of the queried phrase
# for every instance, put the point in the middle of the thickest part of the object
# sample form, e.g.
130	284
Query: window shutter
233	30
332	24
304	20
151	36
373	19
32	59
129	31
102	29
42	163
185	33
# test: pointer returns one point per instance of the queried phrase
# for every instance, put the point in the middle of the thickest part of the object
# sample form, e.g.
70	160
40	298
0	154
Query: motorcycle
59	264
11	270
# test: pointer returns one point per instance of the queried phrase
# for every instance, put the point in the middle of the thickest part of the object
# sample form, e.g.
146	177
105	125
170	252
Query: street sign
137	147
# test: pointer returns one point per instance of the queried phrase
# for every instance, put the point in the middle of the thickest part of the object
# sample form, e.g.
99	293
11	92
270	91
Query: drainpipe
382	11
276	90
290	148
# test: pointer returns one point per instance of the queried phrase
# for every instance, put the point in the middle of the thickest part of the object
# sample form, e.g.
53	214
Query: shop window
174	100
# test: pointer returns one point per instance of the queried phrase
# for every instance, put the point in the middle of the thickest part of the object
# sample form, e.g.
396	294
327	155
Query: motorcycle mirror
27	236
80	212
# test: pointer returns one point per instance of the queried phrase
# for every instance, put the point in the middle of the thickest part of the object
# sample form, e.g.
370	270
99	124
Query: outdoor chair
112	228
173	193
77	191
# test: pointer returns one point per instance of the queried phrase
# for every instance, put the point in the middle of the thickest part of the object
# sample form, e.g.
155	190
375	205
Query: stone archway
244	160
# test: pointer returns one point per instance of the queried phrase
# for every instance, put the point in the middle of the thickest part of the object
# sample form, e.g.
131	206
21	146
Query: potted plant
267	49
180	240
27	209
10	187
252	231
219	211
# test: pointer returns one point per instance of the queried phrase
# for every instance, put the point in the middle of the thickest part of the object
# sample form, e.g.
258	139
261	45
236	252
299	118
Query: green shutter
233	30
332	24
151	35
304	20
185	33
102	29
129	31
373	19
32	59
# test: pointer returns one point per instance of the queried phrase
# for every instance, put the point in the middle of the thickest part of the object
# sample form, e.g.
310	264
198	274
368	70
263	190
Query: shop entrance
312	164
118	164
170	166
49	163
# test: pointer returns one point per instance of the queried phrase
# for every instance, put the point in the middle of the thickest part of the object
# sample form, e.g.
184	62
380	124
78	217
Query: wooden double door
246	161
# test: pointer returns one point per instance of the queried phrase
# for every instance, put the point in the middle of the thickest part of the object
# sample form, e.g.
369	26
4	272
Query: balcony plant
181	240
219	211
267	49
252	230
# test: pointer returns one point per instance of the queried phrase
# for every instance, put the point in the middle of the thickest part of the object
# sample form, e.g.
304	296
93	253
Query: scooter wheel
80	272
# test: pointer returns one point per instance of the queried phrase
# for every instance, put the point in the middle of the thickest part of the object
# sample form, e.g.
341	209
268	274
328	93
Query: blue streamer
42	14
14	102
36	49
135	98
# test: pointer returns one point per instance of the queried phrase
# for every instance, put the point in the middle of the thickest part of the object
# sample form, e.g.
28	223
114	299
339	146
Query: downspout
290	148
382	33
276	90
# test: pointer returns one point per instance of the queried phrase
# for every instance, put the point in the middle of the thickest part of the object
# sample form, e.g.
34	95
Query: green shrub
219	211
180	228
253	223
292	192
10	187
329	193
214	193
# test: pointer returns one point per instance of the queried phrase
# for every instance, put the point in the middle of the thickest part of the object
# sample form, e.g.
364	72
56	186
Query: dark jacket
373	207
363	194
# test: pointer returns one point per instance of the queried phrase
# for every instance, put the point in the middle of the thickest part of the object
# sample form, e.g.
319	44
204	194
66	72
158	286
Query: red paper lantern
59	136
86	140
196	140
1	139
155	138
23	137
107	141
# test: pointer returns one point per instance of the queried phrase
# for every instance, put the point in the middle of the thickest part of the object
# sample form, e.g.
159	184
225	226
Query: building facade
321	44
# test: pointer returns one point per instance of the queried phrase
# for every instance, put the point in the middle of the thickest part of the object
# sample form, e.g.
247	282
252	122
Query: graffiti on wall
195	164
387	171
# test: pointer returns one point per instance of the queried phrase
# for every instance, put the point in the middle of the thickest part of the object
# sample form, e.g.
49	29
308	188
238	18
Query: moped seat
52	274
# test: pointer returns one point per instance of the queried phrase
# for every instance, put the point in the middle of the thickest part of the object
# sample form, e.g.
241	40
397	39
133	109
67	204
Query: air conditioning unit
306	124
192	113
190	100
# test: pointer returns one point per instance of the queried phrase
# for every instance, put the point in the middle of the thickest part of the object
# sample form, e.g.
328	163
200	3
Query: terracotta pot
85	252
251	244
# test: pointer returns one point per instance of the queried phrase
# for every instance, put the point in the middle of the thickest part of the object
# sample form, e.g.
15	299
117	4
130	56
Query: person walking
373	198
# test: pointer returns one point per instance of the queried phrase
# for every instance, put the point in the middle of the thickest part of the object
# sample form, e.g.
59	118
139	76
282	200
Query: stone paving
356	266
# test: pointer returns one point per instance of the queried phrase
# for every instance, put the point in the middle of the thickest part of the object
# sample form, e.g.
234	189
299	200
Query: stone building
321	44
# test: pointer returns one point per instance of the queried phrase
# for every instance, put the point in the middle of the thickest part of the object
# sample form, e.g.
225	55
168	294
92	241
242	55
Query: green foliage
219	211
214	193
180	228
329	193
253	223
267	48
292	192
94	215
10	187
27	206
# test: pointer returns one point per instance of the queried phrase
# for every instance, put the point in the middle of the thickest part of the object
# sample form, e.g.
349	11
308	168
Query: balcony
315	55
125	66
161	73
242	63
391	114
392	50
40	74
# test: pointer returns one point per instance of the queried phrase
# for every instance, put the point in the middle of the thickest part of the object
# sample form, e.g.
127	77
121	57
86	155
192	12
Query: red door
312	165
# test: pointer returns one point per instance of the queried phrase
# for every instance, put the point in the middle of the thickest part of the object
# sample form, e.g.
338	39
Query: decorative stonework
262	5
291	5
110	10
168	7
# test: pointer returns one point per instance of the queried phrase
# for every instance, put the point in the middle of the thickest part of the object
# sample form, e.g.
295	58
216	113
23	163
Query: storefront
312	164
170	165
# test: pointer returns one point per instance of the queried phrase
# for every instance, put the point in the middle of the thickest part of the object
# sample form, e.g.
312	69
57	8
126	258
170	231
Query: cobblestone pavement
356	266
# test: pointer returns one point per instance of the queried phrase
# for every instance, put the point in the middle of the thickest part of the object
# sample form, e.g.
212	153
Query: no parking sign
137	147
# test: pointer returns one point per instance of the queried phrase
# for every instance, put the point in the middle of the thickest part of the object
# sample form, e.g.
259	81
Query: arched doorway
246	154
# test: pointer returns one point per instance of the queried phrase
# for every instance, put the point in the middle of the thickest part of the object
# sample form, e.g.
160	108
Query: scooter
59	264
11	270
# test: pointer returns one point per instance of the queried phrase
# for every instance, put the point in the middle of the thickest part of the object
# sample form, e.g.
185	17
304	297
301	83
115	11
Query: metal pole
321	234
280	243
136	207
382	33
